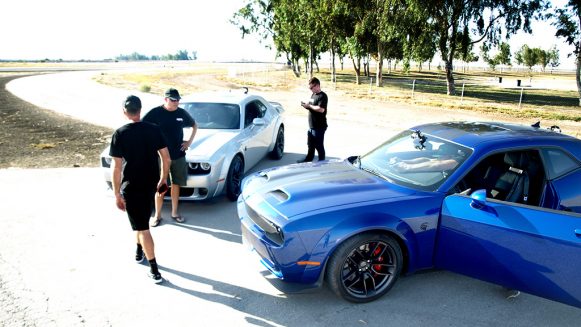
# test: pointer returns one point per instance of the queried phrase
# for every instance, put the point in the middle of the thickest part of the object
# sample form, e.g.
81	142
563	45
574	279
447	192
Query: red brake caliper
380	259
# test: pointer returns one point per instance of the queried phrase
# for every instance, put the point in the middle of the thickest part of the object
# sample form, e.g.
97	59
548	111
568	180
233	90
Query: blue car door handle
578	232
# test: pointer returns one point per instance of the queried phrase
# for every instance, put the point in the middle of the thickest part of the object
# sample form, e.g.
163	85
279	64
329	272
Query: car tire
364	267
234	178
278	150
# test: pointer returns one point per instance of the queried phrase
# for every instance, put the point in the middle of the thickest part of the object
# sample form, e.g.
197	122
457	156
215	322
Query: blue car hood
296	189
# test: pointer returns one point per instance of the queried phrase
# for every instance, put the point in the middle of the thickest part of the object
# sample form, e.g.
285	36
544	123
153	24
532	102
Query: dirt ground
32	137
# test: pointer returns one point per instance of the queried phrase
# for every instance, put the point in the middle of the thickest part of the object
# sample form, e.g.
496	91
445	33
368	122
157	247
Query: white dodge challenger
235	131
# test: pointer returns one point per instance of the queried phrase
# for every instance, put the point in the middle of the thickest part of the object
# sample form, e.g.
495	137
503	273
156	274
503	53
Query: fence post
413	88
520	100
462	96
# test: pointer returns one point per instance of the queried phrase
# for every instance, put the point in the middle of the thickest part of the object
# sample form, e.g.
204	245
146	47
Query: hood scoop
279	196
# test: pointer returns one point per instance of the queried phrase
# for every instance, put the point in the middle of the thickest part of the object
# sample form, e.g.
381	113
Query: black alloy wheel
278	150
234	178
365	267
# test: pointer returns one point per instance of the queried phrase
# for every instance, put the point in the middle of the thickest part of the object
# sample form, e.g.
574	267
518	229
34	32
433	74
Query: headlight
199	168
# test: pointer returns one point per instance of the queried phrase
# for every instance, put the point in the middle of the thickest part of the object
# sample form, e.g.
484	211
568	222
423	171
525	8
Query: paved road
66	259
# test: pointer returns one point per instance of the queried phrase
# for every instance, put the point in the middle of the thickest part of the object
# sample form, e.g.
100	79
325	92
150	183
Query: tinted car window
558	162
253	110
214	115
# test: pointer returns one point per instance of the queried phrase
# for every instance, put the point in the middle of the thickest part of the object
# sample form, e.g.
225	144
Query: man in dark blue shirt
136	149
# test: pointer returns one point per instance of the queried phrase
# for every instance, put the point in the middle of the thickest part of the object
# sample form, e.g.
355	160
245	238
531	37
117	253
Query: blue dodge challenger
497	202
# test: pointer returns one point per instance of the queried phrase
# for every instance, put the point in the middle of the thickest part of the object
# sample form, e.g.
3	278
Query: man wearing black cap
136	149
172	120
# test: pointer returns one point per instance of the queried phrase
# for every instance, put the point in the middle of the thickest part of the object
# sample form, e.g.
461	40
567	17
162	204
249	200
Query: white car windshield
415	160
214	115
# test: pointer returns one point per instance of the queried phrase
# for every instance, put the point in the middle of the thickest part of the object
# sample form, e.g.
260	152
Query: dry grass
481	93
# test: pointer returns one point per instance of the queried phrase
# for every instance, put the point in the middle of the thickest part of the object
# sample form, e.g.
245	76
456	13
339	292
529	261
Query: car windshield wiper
372	171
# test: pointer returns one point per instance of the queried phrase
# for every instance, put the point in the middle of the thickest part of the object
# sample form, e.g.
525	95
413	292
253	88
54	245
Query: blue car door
532	249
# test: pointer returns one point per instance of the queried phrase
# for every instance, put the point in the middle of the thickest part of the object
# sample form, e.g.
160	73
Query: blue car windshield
415	160
214	115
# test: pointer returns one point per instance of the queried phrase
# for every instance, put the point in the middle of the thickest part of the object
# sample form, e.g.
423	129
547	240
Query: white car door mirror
258	121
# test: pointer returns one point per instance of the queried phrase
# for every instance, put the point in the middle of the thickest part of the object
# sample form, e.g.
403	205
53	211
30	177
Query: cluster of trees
536	56
180	55
526	56
394	30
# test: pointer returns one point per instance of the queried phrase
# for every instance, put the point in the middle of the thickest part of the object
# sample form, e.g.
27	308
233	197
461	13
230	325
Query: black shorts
139	207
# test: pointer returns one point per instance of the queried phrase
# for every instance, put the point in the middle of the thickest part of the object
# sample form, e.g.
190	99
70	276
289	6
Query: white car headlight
205	166
193	165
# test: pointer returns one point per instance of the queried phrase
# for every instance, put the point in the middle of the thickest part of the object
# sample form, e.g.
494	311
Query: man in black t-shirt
317	107
136	149
172	120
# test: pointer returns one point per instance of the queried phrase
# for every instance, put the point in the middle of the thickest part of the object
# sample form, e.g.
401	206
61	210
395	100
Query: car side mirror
478	199
258	122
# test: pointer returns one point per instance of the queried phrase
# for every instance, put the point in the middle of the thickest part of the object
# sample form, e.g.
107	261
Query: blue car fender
357	224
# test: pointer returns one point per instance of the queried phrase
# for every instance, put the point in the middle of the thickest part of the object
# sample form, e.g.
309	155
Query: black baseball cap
172	94
132	103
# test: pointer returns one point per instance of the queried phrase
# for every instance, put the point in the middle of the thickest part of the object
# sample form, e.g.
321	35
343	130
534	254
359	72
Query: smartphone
162	188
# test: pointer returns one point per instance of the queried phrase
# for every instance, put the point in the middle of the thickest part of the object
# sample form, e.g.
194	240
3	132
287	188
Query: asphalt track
66	252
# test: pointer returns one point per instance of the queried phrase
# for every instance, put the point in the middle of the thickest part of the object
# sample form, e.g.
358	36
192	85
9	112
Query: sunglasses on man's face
172	100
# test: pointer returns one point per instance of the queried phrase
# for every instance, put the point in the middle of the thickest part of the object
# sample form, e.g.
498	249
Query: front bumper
198	187
283	261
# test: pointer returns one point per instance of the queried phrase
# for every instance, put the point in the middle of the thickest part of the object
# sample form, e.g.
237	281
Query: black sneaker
139	256
156	277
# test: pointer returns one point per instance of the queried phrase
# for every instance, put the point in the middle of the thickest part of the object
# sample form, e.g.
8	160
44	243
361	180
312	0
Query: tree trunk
578	72
366	67
357	67
296	67
333	71
311	59
379	71
450	78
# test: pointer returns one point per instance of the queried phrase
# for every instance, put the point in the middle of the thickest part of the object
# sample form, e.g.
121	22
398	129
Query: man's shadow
236	297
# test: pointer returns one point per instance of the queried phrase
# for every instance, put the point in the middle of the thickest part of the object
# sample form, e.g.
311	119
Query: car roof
232	96
486	134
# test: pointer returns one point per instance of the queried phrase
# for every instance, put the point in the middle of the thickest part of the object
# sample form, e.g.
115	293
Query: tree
420	46
554	57
528	56
467	55
503	55
485	52
568	23
454	21
542	58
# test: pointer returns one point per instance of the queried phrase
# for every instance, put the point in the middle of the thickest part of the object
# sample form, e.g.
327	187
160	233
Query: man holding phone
136	149
317	107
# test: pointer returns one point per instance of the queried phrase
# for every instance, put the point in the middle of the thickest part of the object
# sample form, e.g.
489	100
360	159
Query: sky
74	30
